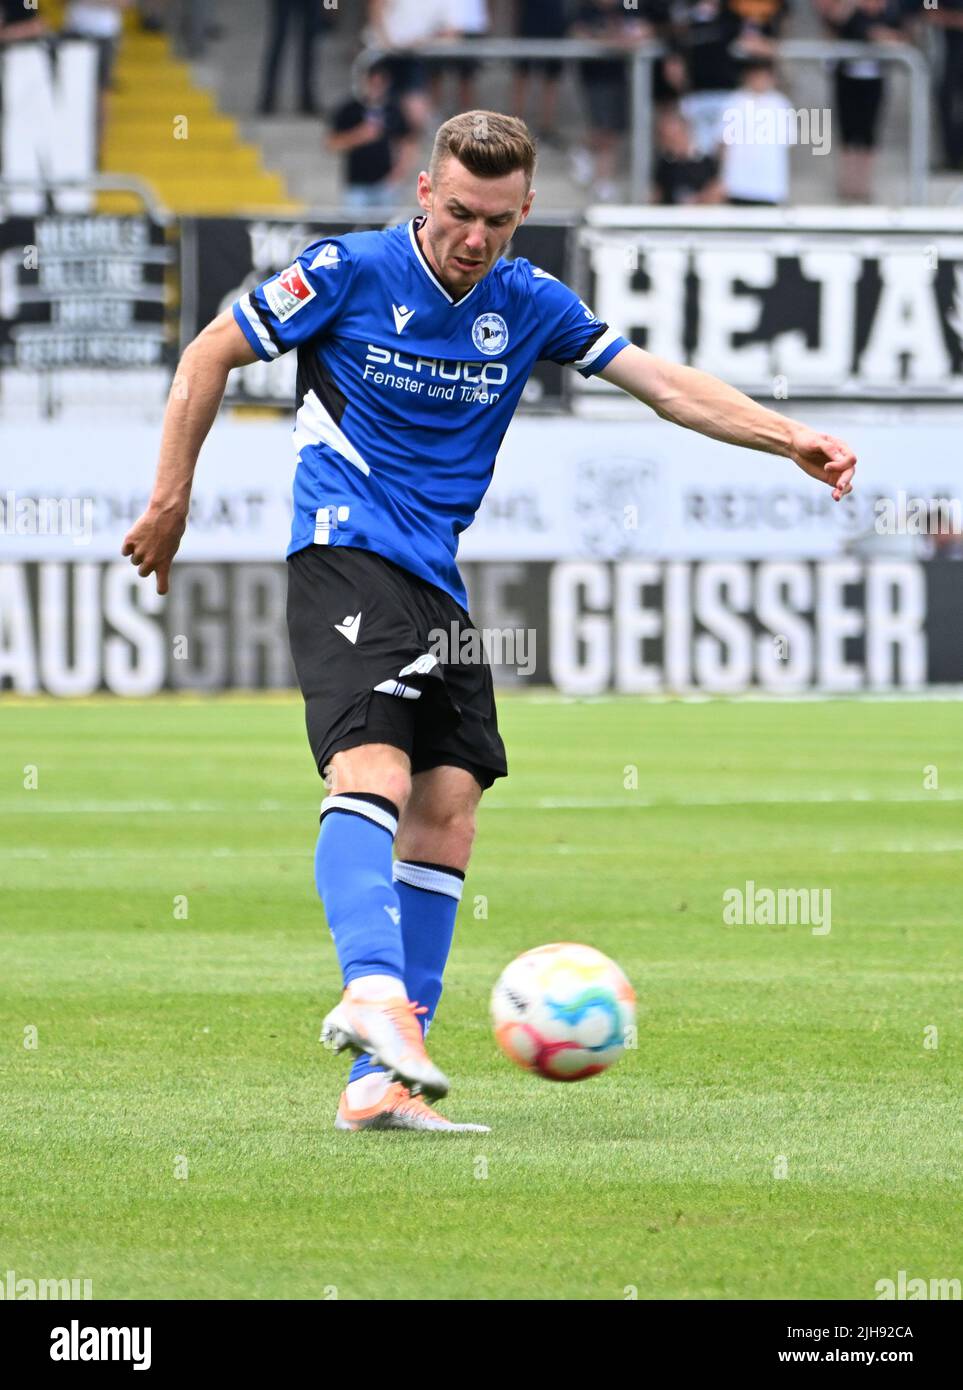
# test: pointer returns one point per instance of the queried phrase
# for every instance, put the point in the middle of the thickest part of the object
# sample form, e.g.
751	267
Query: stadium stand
236	157
163	125
205	166
294	144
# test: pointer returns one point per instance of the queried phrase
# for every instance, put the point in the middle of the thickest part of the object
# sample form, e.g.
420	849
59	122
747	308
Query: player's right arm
192	405
290	307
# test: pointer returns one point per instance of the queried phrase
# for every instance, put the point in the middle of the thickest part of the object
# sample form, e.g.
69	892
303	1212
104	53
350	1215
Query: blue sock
429	895
352	868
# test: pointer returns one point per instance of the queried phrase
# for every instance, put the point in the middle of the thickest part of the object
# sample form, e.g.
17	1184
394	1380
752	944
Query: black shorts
407	75
391	675
859	101
607	99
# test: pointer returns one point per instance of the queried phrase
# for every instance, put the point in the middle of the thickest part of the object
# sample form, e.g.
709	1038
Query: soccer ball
563	1011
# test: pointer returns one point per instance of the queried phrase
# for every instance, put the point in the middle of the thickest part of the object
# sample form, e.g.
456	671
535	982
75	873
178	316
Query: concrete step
210	196
138	102
188	159
133	137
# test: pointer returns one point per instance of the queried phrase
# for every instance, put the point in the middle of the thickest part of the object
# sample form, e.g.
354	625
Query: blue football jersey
404	393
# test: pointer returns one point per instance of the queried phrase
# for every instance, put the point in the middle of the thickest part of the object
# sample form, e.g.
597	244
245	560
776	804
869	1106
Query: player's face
470	221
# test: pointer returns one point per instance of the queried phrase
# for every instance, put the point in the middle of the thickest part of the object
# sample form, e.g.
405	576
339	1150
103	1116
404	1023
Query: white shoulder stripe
264	337
597	348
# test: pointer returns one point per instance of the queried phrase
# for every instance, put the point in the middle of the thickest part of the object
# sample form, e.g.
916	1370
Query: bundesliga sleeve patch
288	293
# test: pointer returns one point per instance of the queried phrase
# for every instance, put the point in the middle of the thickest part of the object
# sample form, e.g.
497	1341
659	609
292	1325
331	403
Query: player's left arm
701	402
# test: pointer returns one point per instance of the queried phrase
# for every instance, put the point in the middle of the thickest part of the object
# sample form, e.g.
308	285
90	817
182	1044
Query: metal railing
640	60
90	183
918	73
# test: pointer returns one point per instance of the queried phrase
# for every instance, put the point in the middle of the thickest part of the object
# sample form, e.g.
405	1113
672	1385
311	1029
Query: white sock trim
377	987
347	802
433	880
367	1090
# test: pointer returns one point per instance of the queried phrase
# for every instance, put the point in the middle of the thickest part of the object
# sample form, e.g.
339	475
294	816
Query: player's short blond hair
488	144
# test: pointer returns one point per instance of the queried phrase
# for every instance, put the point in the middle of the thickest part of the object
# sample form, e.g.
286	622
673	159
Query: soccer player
414	345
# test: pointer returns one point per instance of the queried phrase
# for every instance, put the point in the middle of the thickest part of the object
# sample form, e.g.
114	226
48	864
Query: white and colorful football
563	1011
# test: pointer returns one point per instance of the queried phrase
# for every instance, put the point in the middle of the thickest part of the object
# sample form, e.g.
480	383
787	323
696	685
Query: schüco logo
475	373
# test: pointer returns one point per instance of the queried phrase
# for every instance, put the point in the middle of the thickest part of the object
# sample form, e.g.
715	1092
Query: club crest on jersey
288	293
490	334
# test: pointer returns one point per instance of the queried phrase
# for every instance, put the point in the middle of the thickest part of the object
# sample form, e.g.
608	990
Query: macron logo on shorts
348	627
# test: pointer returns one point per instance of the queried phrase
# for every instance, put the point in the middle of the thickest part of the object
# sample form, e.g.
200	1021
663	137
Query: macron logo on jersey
328	257
403	317
349	627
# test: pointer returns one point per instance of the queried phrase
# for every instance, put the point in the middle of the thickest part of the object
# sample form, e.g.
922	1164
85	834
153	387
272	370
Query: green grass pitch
170	1135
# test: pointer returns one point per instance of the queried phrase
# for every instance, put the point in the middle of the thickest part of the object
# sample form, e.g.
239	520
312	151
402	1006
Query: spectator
606	88
682	174
401	26
762	17
469	19
194	21
859	87
284	14
948	17
151	14
102	21
366	132
18	23
944	541
708	36
540	19
198	26
658	13
758	128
